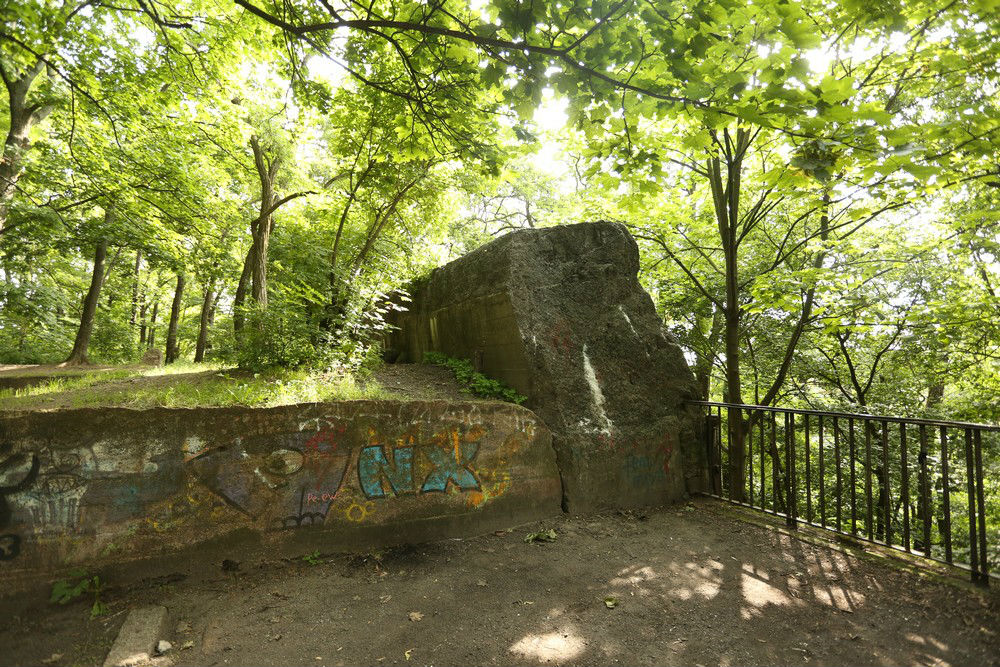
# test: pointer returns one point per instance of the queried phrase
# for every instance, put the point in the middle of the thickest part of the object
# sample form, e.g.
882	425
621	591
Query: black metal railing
912	484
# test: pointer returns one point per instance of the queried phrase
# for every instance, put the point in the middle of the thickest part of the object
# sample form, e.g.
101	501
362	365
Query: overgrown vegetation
474	381
193	386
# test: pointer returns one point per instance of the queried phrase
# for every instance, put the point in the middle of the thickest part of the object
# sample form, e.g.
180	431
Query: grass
191	385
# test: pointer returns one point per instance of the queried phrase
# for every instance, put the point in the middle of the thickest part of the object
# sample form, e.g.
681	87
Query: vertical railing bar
790	504
774	462
854	485
822	476
763	476
904	495
887	487
971	484
946	495
749	457
809	502
984	566
925	492
869	521
837	466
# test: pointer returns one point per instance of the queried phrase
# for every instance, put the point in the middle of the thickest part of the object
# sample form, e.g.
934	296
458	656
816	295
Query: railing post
838	466
970	478
946	495
904	493
926	509
886	484
984	565
790	500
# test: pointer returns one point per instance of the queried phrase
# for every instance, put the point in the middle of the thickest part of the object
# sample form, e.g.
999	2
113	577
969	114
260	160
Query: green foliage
77	584
474	381
313	559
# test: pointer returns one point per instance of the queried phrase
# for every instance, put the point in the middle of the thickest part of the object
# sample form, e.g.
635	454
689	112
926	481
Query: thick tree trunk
261	230
22	118
173	350
206	315
726	197
82	342
152	324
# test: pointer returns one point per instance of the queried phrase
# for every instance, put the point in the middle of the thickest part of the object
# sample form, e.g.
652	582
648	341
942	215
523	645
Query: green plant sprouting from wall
474	381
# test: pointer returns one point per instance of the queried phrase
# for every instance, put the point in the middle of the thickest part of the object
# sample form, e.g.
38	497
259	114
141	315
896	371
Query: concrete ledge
136	641
109	485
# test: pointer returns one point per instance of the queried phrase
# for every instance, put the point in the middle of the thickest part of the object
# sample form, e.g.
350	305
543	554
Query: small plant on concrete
473	380
79	583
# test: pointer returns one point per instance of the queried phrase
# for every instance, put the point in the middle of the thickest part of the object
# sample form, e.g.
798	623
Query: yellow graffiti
358	513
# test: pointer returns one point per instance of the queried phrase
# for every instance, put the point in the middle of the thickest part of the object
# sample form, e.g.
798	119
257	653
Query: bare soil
701	584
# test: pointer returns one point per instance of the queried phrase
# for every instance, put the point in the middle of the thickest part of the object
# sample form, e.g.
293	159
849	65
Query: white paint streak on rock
621	309
595	391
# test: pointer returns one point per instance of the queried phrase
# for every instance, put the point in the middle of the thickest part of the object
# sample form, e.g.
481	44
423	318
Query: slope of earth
684	585
191	385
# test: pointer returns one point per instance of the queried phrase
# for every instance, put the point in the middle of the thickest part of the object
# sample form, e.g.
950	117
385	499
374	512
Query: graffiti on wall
109	495
322	467
17	472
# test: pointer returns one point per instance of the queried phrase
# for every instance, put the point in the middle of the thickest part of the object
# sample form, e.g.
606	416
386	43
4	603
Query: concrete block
137	639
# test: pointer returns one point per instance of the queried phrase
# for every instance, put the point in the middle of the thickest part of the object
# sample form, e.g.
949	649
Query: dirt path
690	586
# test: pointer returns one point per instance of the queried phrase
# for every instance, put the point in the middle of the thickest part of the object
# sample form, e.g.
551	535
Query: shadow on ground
689	585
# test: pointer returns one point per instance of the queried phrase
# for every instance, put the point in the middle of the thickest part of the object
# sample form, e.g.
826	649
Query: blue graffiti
451	465
373	468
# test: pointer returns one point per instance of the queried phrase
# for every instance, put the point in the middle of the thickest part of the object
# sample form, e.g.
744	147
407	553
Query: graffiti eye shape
283	462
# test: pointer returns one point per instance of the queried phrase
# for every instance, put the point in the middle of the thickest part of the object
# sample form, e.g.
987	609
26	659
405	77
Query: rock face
559	314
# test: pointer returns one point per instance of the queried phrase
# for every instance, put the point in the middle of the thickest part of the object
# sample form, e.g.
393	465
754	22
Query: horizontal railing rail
913	484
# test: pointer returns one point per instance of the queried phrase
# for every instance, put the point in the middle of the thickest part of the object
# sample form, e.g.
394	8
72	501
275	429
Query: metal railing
912	484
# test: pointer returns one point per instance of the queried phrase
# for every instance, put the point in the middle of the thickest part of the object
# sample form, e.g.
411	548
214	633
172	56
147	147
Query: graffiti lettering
373	468
452	466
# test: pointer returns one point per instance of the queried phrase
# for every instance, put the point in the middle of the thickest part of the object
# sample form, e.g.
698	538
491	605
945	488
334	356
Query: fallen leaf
408	652
610	602
384	598
481	582
55	657
416	616
542	536
186	645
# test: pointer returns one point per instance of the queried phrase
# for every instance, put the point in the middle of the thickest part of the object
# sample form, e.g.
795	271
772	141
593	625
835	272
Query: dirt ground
682	585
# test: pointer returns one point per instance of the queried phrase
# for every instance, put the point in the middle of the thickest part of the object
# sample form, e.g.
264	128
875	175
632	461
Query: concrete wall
558	313
102	485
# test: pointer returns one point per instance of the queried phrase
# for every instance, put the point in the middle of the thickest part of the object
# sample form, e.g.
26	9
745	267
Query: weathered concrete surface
136	642
559	314
101	485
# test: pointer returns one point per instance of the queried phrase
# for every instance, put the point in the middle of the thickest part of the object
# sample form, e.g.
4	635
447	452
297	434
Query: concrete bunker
558	313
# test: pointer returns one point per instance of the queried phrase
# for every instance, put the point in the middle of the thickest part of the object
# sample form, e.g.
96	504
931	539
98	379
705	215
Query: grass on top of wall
189	385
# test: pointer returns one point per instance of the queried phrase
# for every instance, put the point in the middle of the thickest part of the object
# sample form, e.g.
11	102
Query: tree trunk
239	299
726	197
206	314
135	287
22	118
173	350
82	342
142	326
152	324
266	171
